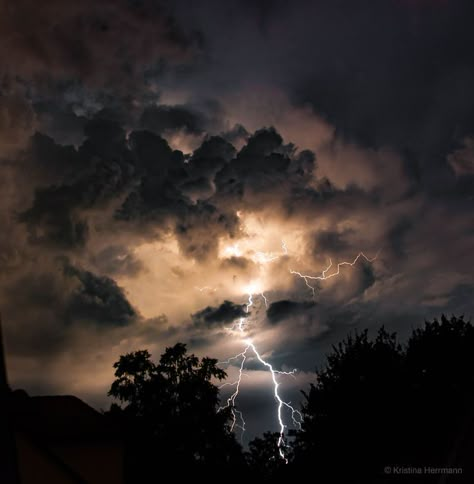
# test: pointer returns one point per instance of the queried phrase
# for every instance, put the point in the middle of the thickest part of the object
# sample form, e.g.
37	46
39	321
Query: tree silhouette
174	409
376	404
264	457
439	368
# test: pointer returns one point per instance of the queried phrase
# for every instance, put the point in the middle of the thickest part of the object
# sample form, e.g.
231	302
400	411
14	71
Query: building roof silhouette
55	439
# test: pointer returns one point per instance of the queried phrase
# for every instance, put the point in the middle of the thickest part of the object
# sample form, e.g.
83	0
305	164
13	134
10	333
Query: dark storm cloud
64	107
47	303
160	188
398	234
60	122
153	188
170	118
408	88
330	242
236	134
192	119
263	143
161	197
99	182
263	162
98	299
154	157
107	166
96	173
213	153
367	277
226	313
385	74
101	42
50	163
286	309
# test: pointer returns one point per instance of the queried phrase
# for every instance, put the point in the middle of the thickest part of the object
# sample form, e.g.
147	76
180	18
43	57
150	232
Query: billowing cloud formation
196	198
385	73
149	173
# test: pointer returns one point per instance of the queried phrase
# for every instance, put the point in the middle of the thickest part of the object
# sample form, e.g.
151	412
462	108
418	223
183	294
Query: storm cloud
280	310
167	166
96	41
226	313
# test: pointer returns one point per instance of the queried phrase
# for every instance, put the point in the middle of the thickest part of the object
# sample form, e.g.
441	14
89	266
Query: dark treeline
378	412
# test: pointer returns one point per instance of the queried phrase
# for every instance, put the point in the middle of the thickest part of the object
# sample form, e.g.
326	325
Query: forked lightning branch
239	329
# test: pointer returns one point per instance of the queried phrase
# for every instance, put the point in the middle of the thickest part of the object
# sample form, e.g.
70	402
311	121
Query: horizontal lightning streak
324	276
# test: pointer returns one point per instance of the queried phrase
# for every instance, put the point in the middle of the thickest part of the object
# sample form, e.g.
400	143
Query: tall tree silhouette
439	369
174	409
376	404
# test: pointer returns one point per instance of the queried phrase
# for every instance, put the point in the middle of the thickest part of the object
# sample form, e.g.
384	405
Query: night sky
162	161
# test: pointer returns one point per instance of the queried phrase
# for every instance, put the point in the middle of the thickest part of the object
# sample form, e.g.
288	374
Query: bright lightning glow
296	416
254	287
206	288
264	257
233	250
241	325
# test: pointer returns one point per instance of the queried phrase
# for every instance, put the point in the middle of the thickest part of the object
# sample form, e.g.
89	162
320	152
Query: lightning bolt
324	274
231	400
296	416
240	327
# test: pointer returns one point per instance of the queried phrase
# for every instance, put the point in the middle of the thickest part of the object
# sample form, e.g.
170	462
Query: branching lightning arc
240	328
324	274
236	414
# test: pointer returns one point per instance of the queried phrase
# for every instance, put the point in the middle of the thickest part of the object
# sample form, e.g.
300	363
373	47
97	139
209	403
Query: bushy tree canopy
175	404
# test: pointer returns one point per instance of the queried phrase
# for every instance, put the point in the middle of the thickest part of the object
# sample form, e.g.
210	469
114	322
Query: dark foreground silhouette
386	412
378	412
171	412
